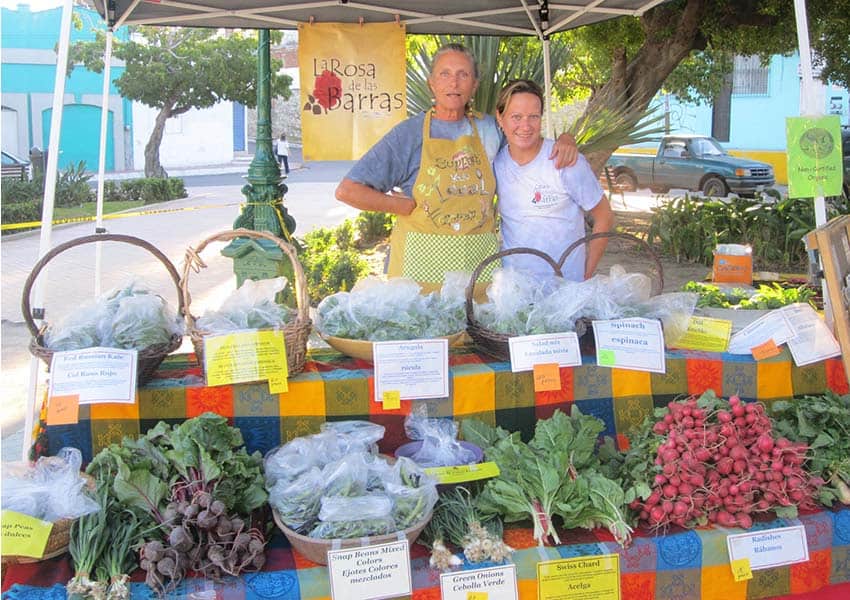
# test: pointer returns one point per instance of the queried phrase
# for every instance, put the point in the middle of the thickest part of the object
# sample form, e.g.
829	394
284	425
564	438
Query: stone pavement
69	277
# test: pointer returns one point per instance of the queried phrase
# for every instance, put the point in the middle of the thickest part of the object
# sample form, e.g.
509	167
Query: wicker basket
493	343
653	268
148	358
316	550
58	540
295	333
57	544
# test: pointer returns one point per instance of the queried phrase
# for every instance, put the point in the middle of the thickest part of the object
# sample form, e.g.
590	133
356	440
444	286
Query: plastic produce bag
674	309
440	447
52	489
380	310
130	317
410	505
366	432
373	511
347	476
252	306
142	321
297	501
291	460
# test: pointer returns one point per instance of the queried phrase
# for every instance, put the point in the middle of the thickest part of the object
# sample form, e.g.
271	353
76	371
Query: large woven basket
316	550
149	358
493	343
57	542
651	268
295	332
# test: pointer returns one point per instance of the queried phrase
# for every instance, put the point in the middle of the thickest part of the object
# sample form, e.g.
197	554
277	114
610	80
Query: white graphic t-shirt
543	208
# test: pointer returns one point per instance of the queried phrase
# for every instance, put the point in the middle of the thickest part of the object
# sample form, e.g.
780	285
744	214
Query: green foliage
18	191
725	28
823	424
331	262
175	69
20	212
688	228
500	59
766	297
185	67
373	226
72	187
148	190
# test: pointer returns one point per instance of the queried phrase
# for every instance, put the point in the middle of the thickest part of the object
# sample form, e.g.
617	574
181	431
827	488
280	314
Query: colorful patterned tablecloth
682	566
335	387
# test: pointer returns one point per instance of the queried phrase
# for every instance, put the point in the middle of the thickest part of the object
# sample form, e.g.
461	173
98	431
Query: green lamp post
264	210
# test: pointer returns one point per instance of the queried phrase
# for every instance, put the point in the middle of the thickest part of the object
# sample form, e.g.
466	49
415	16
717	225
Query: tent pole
49	200
808	104
101	160
547	84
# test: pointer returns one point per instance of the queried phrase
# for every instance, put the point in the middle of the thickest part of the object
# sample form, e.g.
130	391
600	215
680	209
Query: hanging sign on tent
814	156
353	79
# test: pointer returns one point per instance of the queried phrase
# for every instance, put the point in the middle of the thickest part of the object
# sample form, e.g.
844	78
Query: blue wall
28	76
758	121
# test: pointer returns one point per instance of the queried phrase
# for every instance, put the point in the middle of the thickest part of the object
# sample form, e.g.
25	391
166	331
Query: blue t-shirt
394	160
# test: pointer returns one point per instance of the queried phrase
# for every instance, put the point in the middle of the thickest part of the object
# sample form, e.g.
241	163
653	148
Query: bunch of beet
200	537
720	463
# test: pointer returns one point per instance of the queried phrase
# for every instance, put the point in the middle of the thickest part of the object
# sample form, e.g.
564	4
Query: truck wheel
714	187
625	181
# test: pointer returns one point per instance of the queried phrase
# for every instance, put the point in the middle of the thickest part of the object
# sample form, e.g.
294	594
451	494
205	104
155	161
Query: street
212	205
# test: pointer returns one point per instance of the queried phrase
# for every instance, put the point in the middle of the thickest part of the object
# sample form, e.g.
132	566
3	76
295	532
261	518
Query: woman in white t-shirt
540	206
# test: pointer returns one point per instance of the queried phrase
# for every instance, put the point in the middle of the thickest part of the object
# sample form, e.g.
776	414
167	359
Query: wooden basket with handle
149	358
653	268
494	343
295	332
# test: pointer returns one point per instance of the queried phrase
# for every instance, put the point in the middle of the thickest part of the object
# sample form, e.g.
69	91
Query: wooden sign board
832	241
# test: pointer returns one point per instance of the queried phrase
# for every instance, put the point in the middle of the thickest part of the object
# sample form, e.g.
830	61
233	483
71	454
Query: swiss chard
555	473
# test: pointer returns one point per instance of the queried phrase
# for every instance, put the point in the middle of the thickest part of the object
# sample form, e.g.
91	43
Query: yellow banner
353	81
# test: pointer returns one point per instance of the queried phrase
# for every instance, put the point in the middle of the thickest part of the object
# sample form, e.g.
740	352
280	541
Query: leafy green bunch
556	473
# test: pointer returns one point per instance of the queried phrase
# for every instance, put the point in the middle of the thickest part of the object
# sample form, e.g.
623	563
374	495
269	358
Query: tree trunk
152	166
636	82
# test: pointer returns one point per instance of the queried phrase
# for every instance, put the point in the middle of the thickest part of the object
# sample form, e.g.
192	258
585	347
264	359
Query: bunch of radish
719	462
200	537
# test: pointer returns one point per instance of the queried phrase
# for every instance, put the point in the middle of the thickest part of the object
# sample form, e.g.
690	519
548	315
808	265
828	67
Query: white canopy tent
539	18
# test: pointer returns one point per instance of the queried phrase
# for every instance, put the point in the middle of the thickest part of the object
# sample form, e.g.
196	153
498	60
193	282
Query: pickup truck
691	162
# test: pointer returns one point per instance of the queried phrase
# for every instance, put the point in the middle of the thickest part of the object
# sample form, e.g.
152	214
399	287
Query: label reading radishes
770	547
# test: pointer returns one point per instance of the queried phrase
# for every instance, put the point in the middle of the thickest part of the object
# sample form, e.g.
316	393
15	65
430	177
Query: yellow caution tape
122	215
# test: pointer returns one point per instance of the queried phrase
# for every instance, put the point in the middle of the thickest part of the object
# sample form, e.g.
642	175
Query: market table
682	565
335	387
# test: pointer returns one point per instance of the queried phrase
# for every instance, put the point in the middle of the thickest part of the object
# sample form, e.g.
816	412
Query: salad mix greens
520	303
130	317
378	310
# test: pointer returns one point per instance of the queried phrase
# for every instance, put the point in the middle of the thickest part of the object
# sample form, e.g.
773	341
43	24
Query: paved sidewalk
69	278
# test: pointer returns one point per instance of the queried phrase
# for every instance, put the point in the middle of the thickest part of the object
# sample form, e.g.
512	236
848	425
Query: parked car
691	162
16	167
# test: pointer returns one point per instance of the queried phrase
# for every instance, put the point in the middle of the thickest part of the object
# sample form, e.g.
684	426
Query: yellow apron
453	226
